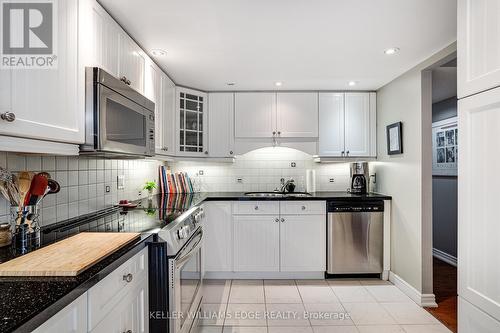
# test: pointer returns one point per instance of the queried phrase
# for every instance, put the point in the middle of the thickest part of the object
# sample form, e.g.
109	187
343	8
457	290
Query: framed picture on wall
445	147
395	138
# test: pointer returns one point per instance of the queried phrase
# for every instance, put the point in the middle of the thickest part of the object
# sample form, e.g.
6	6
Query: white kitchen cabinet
348	124
218	235
191	119
471	319
71	319
478	246
256	243
221	125
297	115
152	90
331	124
166	136
302	243
48	103
99	37
255	115
130	315
479	46
357	124
132	62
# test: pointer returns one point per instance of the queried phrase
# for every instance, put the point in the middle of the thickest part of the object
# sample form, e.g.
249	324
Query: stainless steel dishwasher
355	237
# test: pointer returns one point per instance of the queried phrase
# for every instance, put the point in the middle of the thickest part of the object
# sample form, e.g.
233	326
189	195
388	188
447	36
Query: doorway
444	192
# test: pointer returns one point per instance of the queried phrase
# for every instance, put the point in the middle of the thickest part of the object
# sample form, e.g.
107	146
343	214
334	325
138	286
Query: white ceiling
307	44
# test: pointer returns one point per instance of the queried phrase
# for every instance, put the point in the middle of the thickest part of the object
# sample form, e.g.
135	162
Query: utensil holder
25	228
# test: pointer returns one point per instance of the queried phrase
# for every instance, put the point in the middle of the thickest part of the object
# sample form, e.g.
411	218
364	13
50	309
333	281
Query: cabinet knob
128	277
126	81
231	152
8	116
282	220
348	153
128	331
279	133
277	220
256	207
342	153
206	152
303	207
274	133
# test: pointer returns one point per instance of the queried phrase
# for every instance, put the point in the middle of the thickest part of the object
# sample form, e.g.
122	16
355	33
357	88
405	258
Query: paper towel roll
310	181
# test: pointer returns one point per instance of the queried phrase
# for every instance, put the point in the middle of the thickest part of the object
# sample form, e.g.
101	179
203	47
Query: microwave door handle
179	262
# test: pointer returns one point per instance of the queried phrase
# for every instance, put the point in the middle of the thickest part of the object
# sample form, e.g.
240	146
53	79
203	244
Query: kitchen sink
277	194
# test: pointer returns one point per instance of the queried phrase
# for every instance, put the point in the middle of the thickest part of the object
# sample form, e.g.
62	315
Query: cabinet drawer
303	207
108	293
256	208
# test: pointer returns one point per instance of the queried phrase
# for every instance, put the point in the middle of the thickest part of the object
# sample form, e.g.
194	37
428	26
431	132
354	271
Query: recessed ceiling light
391	50
231	83
352	83
158	53
278	84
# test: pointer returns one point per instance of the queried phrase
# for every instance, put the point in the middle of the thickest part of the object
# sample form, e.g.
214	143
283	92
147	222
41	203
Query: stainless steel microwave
118	119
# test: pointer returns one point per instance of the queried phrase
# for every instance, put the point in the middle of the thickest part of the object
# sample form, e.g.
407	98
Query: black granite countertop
26	303
240	196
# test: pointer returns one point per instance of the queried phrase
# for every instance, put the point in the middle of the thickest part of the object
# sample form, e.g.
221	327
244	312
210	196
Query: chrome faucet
285	185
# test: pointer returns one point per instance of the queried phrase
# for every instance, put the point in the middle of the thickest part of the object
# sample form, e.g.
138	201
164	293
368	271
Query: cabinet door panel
256	243
71	319
48	103
152	90
297	115
478	246
331	124
357	124
218	235
130	314
478	46
132	62
192	116
255	115
168	115
221	125
303	243
471	319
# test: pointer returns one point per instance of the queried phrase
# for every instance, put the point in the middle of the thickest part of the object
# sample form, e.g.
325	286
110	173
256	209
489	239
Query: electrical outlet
107	188
293	164
332	180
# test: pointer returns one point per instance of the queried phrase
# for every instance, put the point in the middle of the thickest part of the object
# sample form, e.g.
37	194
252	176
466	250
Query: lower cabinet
256	243
303	243
71	319
119	303
265	236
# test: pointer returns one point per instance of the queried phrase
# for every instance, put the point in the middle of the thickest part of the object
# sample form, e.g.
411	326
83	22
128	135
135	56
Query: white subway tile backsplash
82	182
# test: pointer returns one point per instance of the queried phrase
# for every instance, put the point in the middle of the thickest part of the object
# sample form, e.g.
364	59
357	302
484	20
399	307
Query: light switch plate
120	182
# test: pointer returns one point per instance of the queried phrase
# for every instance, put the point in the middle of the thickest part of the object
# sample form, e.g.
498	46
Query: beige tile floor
311	306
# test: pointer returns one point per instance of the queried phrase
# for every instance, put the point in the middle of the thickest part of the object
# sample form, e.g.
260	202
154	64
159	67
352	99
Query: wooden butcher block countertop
68	257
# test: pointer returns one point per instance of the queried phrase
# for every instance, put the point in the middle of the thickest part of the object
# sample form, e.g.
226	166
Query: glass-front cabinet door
191	122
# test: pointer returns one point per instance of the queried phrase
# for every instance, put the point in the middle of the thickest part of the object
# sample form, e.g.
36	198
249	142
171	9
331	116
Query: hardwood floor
445	289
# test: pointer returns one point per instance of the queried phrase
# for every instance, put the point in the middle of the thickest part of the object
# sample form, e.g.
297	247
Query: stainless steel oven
118	119
176	274
186	279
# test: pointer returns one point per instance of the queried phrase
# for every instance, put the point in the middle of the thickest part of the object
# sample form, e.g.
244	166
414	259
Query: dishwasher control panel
361	206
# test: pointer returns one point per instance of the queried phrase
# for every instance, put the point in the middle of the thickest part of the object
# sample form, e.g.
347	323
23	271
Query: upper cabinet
347	124
191	120
166	134
297	115
479	46
221	125
47	104
132	63
255	115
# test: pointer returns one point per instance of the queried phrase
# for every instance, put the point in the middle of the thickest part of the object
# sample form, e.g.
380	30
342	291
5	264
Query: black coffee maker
359	177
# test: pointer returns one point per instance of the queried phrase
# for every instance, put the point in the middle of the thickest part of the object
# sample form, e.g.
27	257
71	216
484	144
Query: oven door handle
194	248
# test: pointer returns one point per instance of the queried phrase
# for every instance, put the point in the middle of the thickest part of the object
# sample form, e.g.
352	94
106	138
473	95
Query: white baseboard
265	275
425	300
443	256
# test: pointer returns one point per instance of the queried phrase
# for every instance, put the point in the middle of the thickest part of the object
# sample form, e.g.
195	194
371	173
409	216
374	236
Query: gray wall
444	193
